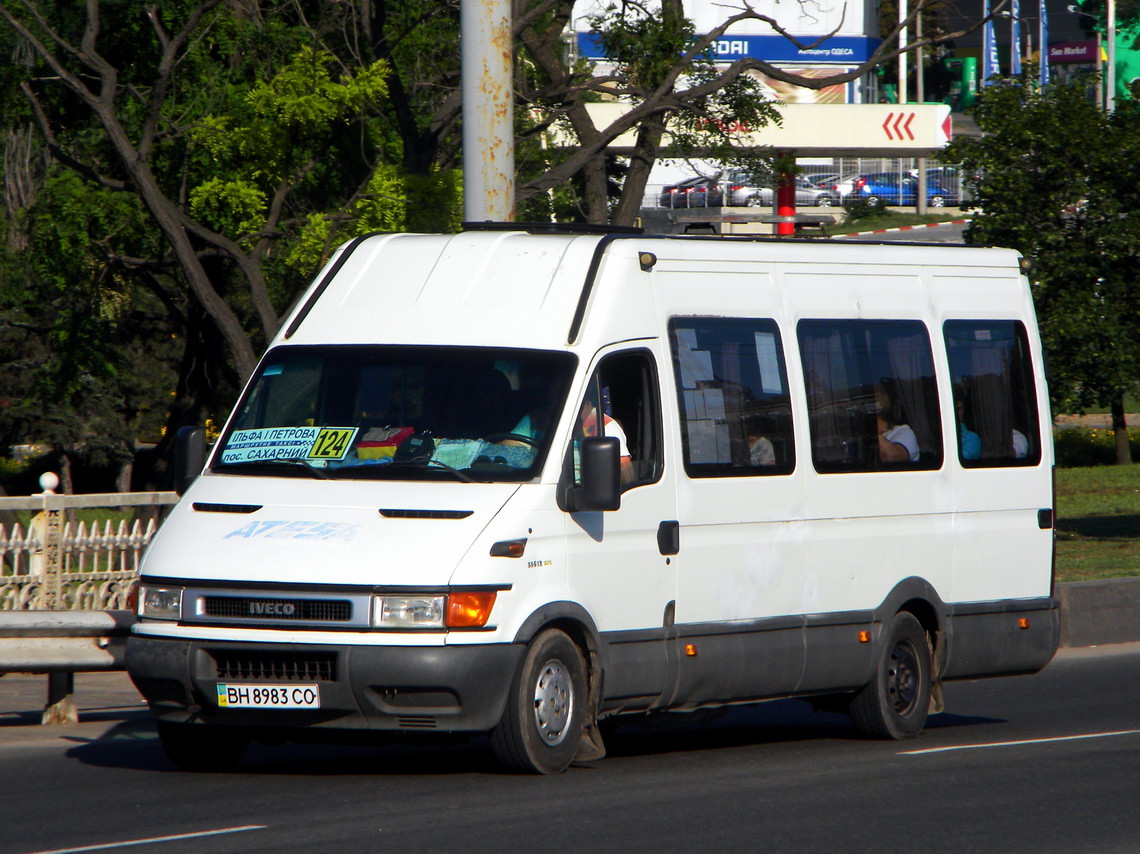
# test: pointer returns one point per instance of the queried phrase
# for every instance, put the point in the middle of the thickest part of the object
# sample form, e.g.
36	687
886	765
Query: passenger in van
969	442
588	417
760	449
1020	444
897	442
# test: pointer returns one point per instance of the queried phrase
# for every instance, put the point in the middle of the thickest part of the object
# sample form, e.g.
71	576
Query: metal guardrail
65	583
60	644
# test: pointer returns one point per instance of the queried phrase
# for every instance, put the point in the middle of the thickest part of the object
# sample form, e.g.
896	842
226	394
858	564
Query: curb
1099	612
905	228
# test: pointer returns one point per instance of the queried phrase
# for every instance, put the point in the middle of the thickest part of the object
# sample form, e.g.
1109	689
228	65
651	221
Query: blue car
891	188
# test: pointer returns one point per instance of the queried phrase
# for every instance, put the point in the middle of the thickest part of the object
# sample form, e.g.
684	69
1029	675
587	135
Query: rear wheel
200	747
895	702
541	728
938	201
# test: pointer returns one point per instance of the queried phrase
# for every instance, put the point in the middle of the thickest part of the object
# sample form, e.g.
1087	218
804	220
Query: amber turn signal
469	610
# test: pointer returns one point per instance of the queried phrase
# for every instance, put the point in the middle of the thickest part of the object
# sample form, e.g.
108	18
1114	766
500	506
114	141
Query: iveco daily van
520	479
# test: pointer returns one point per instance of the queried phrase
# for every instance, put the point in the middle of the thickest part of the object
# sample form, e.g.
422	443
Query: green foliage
84	359
1081	446
861	211
646	46
1058	182
236	208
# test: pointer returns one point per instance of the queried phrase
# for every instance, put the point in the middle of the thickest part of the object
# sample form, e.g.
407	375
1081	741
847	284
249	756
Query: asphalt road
1044	763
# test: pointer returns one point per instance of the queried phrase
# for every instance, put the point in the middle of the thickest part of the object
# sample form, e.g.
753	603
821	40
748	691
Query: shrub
1082	446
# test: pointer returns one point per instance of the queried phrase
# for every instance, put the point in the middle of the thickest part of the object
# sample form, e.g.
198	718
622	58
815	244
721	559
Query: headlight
459	610
160	603
408	612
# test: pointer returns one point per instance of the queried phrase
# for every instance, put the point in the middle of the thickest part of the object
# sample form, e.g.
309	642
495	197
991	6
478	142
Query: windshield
410	413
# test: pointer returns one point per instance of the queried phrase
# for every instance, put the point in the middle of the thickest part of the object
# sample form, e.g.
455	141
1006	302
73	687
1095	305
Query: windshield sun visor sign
289	443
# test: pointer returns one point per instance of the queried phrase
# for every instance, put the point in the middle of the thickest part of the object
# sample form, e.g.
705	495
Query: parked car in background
891	188
697	192
740	189
821	179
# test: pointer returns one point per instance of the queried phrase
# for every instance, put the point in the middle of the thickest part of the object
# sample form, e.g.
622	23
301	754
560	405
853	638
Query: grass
887	219
1098	522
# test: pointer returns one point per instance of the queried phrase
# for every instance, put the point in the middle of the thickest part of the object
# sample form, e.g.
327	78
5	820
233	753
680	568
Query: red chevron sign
895	121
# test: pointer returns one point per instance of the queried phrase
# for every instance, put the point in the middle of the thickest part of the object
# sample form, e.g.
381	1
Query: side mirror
600	477
189	456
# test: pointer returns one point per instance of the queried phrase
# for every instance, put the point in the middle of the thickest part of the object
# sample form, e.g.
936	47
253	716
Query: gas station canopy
849	130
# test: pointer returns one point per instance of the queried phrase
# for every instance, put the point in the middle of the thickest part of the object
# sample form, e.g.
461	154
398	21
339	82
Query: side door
740	589
622	563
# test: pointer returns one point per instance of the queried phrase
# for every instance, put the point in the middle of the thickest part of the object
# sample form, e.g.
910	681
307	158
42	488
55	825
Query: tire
894	704
824	201
874	201
201	747
542	725
938	201
753	202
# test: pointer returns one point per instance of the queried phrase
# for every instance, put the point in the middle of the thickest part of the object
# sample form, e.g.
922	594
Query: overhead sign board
848	50
856	130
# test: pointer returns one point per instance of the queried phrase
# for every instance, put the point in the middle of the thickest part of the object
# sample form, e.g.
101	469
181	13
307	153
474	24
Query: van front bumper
373	688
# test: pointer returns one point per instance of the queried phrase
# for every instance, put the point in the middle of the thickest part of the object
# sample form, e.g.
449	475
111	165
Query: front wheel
895	702
201	747
937	201
542	726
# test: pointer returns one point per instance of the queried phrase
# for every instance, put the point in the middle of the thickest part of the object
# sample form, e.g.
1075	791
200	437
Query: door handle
669	537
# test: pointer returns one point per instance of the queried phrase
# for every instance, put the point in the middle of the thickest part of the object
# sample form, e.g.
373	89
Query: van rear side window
995	402
732	387
871	393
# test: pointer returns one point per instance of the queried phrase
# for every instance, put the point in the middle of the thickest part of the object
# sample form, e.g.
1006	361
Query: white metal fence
51	559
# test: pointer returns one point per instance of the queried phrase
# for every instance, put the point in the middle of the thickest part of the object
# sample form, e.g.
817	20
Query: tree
229	134
1059	180
679	99
248	140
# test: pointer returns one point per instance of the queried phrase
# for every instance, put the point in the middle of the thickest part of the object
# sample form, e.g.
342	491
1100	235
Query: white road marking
154	839
1017	743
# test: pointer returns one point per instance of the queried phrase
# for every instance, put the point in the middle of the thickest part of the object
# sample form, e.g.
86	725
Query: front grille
271	666
265	608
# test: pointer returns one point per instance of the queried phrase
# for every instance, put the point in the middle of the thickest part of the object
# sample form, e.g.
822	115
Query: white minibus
522	479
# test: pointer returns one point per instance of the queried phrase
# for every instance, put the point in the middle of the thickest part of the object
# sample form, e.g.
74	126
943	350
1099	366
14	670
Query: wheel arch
575	621
918	597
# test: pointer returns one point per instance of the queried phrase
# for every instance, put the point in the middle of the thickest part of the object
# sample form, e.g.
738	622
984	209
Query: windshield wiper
297	466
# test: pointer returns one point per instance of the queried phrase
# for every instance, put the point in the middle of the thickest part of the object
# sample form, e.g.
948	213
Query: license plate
240	695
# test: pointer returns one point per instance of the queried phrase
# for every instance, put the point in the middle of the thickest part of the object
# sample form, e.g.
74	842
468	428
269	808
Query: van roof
532	285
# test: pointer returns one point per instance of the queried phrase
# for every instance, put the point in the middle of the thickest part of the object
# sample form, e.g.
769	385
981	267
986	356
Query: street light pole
1110	82
902	93
1076	10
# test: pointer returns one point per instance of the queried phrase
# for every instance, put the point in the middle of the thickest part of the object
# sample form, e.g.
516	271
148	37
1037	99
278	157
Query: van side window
871	394
732	389
622	396
995	402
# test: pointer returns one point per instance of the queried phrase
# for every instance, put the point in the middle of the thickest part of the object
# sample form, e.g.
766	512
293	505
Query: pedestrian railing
56	561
